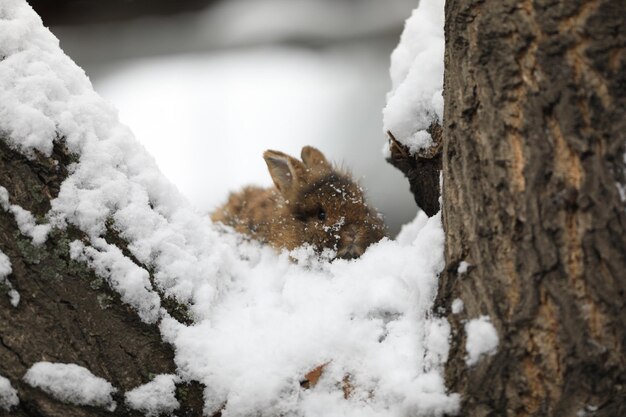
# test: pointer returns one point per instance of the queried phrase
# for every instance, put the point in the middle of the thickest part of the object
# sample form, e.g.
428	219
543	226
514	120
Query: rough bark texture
534	134
66	313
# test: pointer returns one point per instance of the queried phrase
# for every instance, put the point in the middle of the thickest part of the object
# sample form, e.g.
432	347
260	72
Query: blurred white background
208	91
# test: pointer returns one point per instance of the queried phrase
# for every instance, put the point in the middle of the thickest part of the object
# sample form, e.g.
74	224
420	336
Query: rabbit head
320	205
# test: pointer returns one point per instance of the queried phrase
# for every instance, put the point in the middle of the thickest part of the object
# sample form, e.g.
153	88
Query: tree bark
533	162
66	313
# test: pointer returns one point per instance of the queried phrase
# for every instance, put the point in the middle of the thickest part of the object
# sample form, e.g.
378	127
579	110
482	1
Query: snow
587	411
123	275
28	226
621	188
8	394
14	297
482	339
457	306
366	319
71	383
5	265
260	320
415	100
26	222
155	397
5	271
462	269
4	199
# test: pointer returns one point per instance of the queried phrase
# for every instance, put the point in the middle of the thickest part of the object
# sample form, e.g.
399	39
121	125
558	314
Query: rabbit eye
321	214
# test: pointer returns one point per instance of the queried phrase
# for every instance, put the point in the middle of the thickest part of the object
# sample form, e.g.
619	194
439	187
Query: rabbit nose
350	252
349	247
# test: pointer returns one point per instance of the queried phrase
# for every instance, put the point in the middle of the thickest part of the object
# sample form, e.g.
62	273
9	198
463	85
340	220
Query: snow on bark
415	100
261	320
5	271
25	220
457	306
482	339
123	275
29	227
156	397
4	199
463	267
72	384
8	395
621	187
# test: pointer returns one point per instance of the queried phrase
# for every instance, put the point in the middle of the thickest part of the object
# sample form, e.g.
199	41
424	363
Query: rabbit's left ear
286	171
314	158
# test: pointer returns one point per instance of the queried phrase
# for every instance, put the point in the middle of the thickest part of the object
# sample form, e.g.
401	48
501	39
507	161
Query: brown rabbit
313	203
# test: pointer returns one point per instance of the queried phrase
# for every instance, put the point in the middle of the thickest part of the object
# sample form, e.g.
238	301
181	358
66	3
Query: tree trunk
533	174
66	313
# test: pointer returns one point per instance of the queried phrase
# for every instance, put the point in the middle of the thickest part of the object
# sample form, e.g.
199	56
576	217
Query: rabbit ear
285	170
313	158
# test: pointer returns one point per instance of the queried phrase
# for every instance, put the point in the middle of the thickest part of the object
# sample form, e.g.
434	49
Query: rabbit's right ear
314	158
285	170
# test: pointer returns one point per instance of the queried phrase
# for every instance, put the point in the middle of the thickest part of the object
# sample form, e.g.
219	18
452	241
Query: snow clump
457	306
156	397
4	199
72	384
463	267
5	271
8	395
482	339
28	226
25	220
416	97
